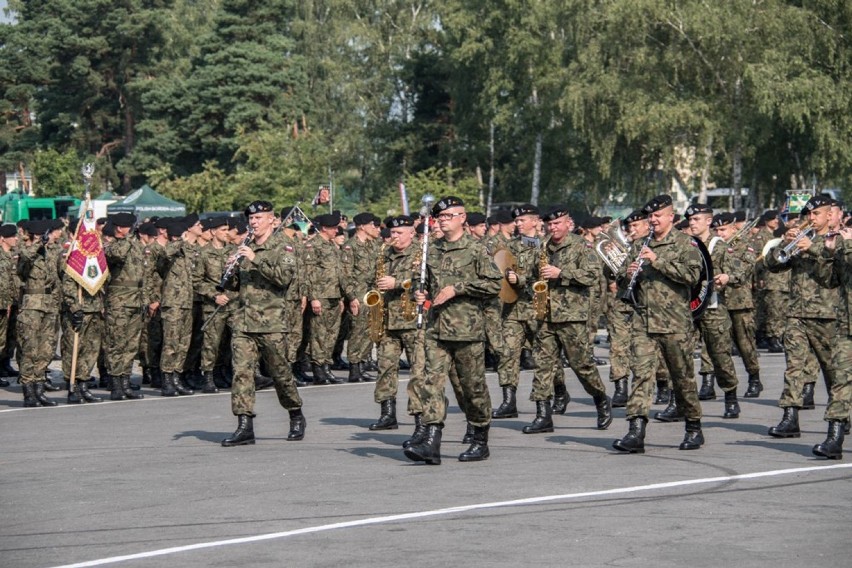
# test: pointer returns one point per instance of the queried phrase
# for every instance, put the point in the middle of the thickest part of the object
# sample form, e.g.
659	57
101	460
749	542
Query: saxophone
408	307
375	302
541	292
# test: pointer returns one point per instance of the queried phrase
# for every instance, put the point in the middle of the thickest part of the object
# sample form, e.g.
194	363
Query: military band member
259	327
811	316
359	257
459	277
401	269
773	288
569	267
9	284
297	299
671	265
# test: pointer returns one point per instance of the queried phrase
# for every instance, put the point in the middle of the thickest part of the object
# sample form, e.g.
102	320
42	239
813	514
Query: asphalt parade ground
146	483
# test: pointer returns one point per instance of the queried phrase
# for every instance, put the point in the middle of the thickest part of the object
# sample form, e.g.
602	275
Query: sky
3	17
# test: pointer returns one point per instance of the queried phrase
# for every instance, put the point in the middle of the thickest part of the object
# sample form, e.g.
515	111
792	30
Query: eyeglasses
447	216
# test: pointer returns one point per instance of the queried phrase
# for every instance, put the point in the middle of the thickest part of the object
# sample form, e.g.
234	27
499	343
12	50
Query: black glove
77	320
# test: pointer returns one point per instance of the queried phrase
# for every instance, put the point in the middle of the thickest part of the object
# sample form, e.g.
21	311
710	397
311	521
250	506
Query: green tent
145	202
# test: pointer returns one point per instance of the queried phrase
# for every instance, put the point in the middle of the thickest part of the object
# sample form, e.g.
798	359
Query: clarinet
628	294
427	204
227	275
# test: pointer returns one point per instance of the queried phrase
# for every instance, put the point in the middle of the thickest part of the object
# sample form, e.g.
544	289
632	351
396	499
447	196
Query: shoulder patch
750	249
693	243
288	248
347	247
731	250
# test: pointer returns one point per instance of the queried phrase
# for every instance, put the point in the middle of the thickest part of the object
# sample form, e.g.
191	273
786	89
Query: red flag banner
86	262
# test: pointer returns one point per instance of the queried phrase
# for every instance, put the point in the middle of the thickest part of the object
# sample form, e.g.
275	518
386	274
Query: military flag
86	262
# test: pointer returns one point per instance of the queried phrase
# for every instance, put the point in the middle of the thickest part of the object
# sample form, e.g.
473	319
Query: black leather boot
319	376
478	449
156	378
808	397
49	386
527	361
146	375
29	396
329	376
775	346
490	361
83	392
117	389
300	376
355	373
619	397
168	385
693	438
561	398
634	441
468	434
754	386
789	425
543	421
387	420
338	363
367	378
419	433
38	389
125	385
671	413
181	388
209	384
509	407
74	394
663	392
604	408
369	365
4	383
428	450
105	381
6	368
243	435
297	425
732	407
708	383
832	447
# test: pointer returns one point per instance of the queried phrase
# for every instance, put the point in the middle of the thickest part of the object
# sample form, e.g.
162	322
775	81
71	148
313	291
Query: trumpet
784	254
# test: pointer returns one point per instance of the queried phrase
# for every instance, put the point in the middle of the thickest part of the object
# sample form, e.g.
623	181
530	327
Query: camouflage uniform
326	283
152	328
359	259
260	329
8	294
177	264
11	331
618	318
566	322
124	303
836	269
740	304
456	330
811	322
295	292
662	324
38	268
774	293
90	334
493	307
212	264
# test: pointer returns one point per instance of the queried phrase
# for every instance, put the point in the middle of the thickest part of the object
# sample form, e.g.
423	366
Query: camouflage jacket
526	251
403	266
178	266
808	297
834	269
15	281
464	265
38	268
724	262
664	287
76	299
8	281
764	278
153	280
738	296
211	267
263	288
126	285
570	294
495	243
359	261
326	277
298	288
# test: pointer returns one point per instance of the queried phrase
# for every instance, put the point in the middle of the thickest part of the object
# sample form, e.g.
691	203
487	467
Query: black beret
503	217
723	219
101	220
205	224
606	219
176	228
163	222
636	215
446	203
696	209
8	230
286	211
555	212
55	225
216	222
817	201
123	219
109	229
327	220
421	228
385	233
401	221
363	219
258	207
147	229
525	209
769	215
740	216
241	226
190	220
387	221
657	203
682	225
591	222
475	218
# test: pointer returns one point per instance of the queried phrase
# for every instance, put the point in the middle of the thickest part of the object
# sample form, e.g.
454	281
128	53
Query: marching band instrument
424	253
228	274
408	307
541	291
612	246
745	230
374	300
506	261
784	254
628	295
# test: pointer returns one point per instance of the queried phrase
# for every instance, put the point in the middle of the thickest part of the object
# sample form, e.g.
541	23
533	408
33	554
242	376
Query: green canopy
107	196
145	202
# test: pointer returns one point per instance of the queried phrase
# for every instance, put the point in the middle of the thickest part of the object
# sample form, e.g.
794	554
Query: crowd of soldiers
248	303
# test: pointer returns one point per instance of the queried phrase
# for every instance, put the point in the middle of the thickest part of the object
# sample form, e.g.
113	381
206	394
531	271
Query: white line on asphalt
451	511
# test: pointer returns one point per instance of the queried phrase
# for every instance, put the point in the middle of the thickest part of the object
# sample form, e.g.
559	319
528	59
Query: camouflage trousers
177	336
88	345
123	330
390	348
359	347
323	329
515	334
216	338
11	334
294	317
775	315
743	329
840	395
4	330
492	311
573	338
37	337
468	359
193	353
676	350
151	342
802	337
618	327
271	348
715	329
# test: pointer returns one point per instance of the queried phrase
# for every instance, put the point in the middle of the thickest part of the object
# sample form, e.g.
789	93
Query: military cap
680	226
240	226
739	215
591	222
421	228
363	219
696	209
216	222
190	220
657	203
123	219
205	224
387	221
163	222
525	209
176	228
108	229
101	220
769	215
606	219
258	207
817	201
446	203
8	230
327	220
635	215
722	219
55	224
503	217
401	221
147	229
555	212
385	233
286	211
475	218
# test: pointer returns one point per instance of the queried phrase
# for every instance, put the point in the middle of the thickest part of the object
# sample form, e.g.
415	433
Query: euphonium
541	292
612	246
375	302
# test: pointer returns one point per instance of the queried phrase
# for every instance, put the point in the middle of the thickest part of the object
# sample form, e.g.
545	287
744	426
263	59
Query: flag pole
76	345
87	171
